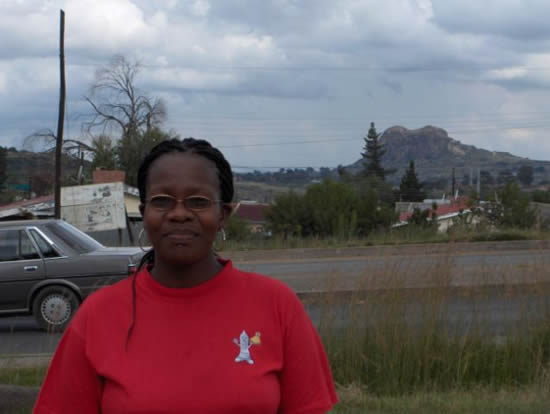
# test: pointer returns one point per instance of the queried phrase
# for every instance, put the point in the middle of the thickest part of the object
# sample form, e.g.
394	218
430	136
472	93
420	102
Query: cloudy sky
262	78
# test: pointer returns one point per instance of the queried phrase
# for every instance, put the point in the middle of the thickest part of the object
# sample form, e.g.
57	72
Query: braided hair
199	147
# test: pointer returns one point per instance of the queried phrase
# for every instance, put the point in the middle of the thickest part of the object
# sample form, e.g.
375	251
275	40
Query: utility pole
478	182
453	184
471	177
61	115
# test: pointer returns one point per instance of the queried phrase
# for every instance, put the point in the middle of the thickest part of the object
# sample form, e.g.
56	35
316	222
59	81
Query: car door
21	266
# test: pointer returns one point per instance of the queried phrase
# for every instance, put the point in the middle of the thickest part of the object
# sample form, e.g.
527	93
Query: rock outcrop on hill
435	154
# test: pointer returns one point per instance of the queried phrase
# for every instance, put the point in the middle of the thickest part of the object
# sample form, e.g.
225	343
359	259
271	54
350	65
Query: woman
188	333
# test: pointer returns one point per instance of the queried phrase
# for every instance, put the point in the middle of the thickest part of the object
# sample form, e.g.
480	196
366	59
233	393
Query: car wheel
53	307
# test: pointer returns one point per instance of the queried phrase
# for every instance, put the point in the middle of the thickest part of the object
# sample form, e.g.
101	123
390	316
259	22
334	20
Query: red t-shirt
238	343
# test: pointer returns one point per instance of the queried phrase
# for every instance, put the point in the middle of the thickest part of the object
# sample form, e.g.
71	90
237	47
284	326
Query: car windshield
73	237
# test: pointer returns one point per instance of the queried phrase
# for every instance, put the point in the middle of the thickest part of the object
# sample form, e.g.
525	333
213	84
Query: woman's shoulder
102	305
117	290
109	297
264	286
259	280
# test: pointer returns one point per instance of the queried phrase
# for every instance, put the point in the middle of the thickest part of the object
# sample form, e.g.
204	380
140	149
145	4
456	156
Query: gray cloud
275	71
392	85
525	20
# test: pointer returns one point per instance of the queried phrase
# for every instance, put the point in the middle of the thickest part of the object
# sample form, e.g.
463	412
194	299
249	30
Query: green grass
393	237
386	364
356	399
28	376
388	352
532	400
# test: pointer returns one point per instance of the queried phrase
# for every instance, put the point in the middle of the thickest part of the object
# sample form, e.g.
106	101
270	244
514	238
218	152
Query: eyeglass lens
164	202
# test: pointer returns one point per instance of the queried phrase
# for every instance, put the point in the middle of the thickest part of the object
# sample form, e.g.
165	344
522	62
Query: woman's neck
178	276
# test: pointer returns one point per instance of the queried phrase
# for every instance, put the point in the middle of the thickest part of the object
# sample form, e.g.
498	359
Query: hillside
435	154
31	171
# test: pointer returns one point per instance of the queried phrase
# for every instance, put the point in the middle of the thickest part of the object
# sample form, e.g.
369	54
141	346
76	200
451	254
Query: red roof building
253	214
454	207
38	207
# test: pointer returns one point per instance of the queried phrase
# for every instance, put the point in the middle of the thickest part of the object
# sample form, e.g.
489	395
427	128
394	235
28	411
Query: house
447	212
253	214
38	207
43	207
131	194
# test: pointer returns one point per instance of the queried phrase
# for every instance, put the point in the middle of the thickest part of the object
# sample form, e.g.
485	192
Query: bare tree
73	154
118	103
132	117
44	140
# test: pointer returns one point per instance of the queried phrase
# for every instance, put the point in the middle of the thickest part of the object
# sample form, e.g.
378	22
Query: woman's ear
228	209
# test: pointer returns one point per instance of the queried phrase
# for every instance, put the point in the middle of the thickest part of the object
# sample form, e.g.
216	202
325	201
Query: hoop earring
140	241
222	232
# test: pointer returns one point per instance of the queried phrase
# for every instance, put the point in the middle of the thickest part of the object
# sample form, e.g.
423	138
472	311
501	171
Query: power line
285	143
317	141
455	127
326	68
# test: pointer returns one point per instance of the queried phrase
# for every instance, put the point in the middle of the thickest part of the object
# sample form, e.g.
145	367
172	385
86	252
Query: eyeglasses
164	202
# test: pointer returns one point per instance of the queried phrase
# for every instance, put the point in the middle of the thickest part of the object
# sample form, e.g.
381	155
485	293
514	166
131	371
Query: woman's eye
197	202
162	202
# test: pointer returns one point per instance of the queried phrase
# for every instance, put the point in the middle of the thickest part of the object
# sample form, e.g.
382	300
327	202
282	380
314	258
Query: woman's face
179	235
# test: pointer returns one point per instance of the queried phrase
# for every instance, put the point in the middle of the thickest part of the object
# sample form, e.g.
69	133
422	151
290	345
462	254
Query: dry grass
386	237
533	400
398	339
425	345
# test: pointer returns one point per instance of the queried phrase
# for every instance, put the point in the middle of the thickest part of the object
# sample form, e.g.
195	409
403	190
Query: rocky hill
435	154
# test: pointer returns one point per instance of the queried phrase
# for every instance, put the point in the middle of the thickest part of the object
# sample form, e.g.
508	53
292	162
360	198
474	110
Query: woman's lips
181	236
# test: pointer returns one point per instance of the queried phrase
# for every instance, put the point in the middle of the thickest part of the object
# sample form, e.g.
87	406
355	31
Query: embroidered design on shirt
244	344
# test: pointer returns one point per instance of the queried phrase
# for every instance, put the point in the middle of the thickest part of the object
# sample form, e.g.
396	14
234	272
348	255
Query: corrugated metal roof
251	212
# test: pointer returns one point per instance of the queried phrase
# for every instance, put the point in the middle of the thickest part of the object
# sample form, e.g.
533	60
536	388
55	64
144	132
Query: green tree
103	150
131	149
540	196
237	229
419	217
411	187
372	155
526	175
343	174
424	218
373	214
332	208
384	192
516	211
286	215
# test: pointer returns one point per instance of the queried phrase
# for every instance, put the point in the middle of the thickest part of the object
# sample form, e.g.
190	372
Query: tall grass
407	235
390	338
517	400
397	340
31	376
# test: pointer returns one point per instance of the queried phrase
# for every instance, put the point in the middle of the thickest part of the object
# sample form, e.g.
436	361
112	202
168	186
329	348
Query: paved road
415	270
495	288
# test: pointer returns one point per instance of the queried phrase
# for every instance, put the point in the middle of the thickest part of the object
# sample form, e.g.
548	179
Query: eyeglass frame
182	200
